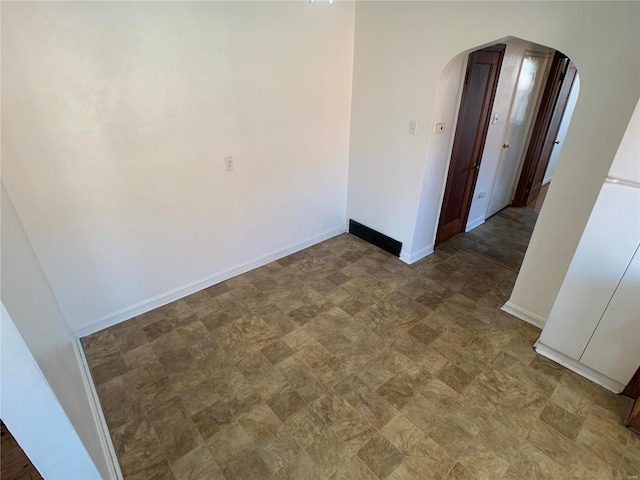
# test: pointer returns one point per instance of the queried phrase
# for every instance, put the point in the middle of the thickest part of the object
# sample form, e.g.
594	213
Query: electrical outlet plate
228	161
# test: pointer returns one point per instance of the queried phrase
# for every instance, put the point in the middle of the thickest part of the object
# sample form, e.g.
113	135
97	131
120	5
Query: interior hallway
341	362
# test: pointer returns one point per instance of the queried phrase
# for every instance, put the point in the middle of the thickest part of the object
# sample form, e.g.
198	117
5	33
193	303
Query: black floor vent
378	239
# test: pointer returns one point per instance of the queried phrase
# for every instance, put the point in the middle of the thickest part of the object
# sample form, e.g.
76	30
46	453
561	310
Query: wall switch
413	127
482	194
496	118
228	161
439	127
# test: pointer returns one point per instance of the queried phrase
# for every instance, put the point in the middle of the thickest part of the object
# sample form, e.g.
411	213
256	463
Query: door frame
560	80
479	143
531	120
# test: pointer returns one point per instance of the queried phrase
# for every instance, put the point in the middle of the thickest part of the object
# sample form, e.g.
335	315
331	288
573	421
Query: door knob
557	142
506	145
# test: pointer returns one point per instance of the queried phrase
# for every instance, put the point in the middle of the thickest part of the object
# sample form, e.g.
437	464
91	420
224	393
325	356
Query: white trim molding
579	368
476	222
96	409
524	315
419	255
139	308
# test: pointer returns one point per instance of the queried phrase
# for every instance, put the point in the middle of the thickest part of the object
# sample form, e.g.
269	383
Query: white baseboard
108	450
579	368
139	308
524	315
476	222
419	255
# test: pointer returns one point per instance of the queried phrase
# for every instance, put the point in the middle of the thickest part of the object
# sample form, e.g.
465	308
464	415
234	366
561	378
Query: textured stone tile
177	436
439	393
452	437
139	357
259	422
371	406
531	463
212	419
328	453
229	442
425	459
421	412
276	351
198	397
380	456
99	347
108	370
285	403
562	421
483	463
157	471
423	334
198	464
277	449
136	446
571	401
192	331
630	464
499	439
401	433
396	392
300	467
247	465
547	367
129	338
455	377
332	408
305	426
555	445
157	329
353	432
354	469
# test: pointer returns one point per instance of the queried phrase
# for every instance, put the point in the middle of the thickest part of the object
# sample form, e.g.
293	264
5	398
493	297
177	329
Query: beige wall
117	117
400	51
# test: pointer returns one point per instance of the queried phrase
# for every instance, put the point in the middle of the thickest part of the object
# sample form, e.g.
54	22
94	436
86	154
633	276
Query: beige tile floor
341	362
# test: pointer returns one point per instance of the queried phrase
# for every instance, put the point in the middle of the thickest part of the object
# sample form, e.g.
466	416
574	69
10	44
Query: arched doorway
505	136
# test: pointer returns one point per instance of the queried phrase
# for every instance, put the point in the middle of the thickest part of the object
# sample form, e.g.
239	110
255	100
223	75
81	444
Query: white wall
562	131
513	55
578	326
33	414
445	111
400	51
29	300
117	117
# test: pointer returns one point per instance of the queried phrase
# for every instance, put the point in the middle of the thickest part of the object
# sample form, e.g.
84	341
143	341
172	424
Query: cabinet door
614	349
607	245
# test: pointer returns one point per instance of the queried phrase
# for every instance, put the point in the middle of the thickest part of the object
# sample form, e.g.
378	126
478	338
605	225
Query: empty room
332	240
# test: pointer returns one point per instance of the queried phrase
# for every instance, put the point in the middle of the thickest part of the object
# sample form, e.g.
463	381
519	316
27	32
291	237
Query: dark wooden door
633	389
481	80
545	131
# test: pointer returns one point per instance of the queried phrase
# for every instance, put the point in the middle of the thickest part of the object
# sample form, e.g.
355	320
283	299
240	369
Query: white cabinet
594	325
614	349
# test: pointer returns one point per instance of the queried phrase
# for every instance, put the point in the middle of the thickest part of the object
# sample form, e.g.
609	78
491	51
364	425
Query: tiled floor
341	362
503	238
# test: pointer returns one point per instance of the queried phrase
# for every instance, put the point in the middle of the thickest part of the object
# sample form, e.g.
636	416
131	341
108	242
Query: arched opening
513	104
